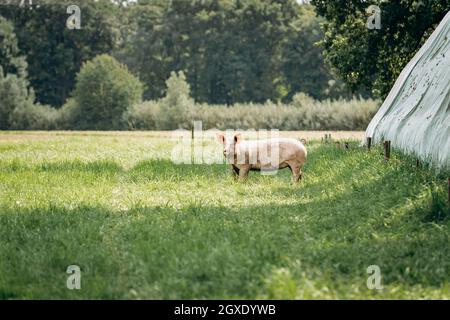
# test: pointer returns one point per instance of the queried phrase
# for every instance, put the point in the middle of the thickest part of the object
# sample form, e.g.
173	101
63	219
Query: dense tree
54	52
373	58
147	44
14	95
230	50
11	60
302	60
14	91
104	91
176	102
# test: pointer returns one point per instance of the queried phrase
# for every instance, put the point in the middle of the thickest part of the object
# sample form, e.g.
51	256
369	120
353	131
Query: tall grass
177	110
141	227
301	114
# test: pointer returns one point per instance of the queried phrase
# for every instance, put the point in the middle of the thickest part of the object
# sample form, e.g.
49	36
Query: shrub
11	61
175	106
304	113
13	95
14	91
143	116
104	91
34	117
67	115
302	100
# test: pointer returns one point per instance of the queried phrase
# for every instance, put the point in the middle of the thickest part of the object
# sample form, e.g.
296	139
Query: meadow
141	227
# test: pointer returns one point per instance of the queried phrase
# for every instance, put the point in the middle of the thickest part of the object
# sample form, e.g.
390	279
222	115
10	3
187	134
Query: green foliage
439	206
178	110
176	103
374	58
11	59
55	53
144	116
34	117
302	99
141	227
281	285
13	95
14	92
302	61
104	91
68	115
231	51
304	113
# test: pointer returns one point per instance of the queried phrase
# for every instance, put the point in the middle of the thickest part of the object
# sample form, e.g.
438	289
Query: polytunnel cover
416	114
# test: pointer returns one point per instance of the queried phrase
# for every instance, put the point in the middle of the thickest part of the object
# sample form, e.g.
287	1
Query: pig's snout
228	153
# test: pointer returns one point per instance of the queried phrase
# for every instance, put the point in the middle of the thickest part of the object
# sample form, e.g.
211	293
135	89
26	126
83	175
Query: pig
269	154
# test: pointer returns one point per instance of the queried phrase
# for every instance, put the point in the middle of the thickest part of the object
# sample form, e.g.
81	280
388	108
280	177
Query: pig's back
288	148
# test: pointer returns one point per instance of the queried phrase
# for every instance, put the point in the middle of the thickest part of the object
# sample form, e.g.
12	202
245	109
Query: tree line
373	59
230	51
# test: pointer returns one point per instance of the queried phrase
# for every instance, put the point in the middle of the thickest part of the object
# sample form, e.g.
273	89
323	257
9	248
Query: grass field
141	227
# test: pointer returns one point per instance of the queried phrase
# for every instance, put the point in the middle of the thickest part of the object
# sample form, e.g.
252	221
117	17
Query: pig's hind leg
296	170
243	173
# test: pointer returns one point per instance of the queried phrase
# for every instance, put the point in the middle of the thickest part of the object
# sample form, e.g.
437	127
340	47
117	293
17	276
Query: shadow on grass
202	251
99	167
217	252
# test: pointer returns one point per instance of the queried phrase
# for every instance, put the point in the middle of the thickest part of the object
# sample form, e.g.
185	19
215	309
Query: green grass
142	227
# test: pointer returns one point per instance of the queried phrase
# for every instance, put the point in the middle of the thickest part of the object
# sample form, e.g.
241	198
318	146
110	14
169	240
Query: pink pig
268	154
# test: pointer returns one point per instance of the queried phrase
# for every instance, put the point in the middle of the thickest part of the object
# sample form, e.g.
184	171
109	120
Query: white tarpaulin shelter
416	114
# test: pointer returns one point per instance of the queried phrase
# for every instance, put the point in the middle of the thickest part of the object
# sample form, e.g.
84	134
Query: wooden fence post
387	149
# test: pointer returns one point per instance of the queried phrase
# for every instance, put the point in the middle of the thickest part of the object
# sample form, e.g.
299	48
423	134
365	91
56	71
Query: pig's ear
220	137
237	138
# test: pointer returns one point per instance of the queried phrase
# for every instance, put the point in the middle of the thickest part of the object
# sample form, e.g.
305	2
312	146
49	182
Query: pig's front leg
235	171
243	172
